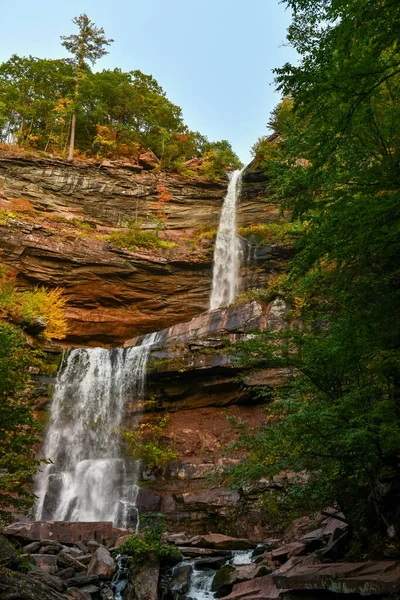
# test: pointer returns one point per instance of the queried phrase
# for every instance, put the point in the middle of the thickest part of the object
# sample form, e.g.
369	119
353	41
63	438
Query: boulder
148	160
215	562
261	588
32	548
219	541
297	529
230	575
284	552
364	579
45	562
179	582
64	559
144	583
67	573
121	540
194	164
102	563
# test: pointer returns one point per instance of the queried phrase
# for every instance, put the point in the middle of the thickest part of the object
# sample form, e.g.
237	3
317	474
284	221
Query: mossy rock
223	580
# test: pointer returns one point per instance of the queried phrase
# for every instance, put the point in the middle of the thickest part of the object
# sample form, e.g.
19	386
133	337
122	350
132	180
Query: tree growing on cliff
87	45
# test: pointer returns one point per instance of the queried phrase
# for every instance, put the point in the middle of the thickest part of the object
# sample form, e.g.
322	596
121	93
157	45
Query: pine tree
88	45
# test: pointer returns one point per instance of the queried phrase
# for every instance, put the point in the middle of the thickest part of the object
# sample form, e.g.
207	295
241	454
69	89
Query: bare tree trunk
72	139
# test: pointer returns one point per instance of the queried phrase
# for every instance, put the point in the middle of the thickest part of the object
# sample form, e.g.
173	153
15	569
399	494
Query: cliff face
54	224
112	294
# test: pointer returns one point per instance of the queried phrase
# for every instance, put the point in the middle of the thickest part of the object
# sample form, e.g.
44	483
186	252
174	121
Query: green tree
19	429
87	45
336	166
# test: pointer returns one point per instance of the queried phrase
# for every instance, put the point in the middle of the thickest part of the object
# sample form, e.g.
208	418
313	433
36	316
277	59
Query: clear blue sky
214	58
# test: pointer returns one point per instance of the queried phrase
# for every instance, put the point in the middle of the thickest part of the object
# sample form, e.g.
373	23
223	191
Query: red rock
261	588
64	532
102	563
365	579
219	541
148	160
191	551
297	529
284	552
121	540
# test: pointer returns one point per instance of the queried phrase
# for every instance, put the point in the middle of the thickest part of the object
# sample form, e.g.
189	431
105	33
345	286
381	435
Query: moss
136	238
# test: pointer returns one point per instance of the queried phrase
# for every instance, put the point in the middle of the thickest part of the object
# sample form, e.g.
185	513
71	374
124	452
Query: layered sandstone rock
113	294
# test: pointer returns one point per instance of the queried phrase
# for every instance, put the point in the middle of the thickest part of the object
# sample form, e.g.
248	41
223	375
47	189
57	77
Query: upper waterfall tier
226	268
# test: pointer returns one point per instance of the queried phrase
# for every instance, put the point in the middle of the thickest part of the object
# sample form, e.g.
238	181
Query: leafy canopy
335	165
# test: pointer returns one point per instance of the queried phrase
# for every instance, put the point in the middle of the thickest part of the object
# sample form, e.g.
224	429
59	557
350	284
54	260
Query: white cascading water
87	479
227	251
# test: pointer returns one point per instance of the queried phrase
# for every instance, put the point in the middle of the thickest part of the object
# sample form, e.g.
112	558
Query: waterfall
87	479
227	248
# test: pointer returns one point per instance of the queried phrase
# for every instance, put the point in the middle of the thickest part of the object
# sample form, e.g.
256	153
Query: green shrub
147	544
135	238
273	233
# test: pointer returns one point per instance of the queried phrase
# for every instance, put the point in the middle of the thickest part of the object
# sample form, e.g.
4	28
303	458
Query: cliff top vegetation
49	104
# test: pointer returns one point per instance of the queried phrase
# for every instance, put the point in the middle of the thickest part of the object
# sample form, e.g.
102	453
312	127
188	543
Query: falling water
227	249
87	479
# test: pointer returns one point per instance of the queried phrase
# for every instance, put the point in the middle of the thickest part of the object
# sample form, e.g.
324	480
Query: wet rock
102	563
223	542
210	563
230	575
365	579
7	551
179	582
106	593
